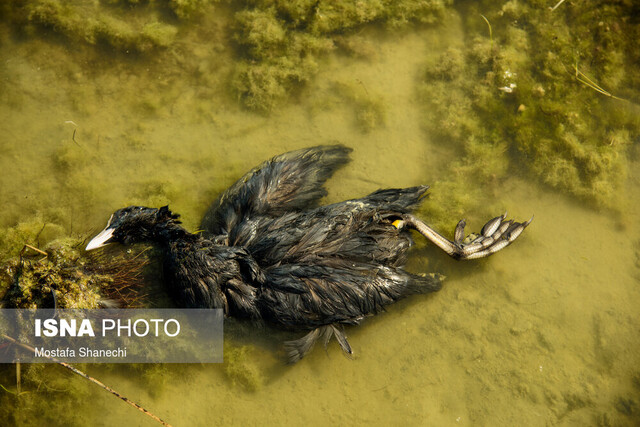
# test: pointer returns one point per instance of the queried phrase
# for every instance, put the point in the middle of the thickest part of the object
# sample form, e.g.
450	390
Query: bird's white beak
100	240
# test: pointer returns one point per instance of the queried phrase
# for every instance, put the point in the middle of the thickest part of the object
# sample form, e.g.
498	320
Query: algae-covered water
497	105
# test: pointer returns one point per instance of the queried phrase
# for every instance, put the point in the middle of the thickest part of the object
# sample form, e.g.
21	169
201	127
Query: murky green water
546	332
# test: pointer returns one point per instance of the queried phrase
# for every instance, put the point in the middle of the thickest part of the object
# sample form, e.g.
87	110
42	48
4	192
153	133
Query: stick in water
18	378
93	380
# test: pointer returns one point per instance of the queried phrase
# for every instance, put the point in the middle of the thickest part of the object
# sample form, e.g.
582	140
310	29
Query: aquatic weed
281	42
519	88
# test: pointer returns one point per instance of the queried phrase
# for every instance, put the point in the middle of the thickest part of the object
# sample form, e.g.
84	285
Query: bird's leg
496	234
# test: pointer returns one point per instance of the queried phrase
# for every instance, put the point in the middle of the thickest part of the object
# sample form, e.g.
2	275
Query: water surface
544	333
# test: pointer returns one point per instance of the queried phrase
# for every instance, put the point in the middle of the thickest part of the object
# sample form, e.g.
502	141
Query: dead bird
269	252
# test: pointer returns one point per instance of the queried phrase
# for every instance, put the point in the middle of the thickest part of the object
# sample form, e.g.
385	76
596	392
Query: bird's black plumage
269	252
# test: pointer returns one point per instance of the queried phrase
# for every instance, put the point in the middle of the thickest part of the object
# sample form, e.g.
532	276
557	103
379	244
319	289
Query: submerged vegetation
523	87
278	43
51	280
98	28
240	368
282	41
63	276
552	89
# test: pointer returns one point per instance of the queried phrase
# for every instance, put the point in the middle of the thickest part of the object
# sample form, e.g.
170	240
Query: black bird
268	252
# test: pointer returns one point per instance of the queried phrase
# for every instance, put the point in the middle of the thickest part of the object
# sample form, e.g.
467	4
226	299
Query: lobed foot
496	235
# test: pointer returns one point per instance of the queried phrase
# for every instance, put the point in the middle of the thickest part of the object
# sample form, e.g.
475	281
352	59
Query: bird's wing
356	230
311	295
289	182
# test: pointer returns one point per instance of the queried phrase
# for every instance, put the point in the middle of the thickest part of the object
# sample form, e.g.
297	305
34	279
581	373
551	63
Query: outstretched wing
288	182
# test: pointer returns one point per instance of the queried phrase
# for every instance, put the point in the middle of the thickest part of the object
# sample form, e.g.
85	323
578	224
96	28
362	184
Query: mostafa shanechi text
111	335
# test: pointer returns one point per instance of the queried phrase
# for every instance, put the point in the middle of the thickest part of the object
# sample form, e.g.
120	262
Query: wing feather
289	182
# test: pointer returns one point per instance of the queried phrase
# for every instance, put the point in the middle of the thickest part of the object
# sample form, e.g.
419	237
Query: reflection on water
545	332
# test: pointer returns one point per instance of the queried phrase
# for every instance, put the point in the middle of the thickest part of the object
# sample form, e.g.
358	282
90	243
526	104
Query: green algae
62	275
460	193
282	42
516	93
47	385
241	369
97	28
33	231
190	9
41	383
369	109
279	59
279	44
32	283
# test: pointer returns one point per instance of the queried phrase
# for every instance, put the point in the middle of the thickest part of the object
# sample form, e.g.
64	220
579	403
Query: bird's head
134	224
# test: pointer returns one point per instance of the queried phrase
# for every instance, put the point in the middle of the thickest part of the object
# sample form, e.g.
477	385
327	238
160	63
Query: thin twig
363	86
39	233
90	378
75	128
33	248
556	6
18	377
73	137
